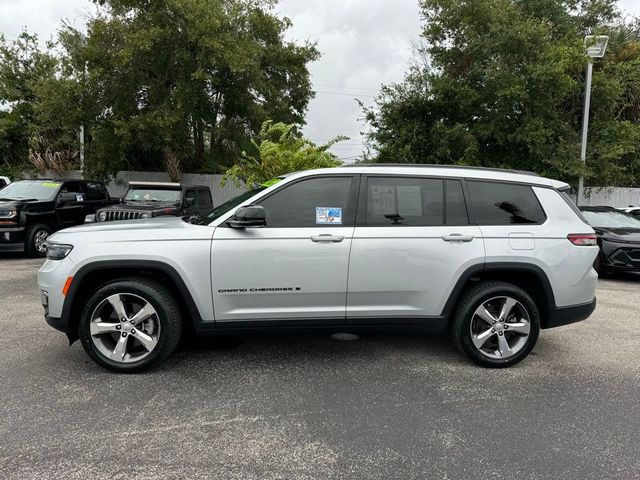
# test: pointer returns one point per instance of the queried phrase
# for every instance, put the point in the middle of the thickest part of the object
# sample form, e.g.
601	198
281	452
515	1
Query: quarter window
405	201
504	204
315	202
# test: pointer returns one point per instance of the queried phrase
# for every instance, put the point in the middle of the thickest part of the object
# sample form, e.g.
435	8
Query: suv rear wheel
496	324
130	325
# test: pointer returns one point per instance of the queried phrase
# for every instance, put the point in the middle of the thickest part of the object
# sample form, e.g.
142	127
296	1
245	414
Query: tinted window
456	207
315	202
72	187
190	198
204	199
95	191
504	204
408	201
2	183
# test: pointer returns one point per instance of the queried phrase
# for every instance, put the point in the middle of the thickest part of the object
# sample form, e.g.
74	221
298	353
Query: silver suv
491	255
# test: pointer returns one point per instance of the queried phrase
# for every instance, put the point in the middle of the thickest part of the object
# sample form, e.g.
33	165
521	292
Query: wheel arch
94	275
529	277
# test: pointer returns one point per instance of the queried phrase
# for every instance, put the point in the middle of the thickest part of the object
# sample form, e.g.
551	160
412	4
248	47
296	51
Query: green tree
280	149
190	78
23	67
500	83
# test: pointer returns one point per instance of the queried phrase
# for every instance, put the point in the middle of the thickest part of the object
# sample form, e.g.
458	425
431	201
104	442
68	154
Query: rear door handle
457	237
327	238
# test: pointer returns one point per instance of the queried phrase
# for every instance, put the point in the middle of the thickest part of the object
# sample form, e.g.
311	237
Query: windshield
611	220
220	210
152	195
26	189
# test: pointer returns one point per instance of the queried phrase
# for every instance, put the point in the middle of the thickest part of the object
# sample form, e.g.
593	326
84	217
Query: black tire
461	322
168	315
32	238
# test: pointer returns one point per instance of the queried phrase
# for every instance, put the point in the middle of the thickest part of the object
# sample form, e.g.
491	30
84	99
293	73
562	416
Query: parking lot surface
385	406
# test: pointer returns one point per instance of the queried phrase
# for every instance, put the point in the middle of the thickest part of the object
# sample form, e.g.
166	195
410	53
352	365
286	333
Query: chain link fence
619	197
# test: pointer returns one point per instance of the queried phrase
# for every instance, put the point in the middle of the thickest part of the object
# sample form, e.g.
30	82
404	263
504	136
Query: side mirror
67	197
249	216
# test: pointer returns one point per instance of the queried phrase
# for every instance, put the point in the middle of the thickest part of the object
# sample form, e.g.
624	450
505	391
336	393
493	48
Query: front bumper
12	239
560	316
621	256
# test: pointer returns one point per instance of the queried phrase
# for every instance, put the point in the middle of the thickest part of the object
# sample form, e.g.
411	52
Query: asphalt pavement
309	407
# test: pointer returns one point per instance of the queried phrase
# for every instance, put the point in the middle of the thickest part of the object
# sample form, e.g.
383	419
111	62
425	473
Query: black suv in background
31	210
155	199
619	239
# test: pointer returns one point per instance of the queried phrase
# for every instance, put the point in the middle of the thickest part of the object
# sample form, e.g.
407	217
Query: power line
338	87
344	94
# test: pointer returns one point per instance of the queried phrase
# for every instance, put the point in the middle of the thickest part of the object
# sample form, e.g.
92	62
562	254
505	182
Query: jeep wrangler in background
31	210
155	199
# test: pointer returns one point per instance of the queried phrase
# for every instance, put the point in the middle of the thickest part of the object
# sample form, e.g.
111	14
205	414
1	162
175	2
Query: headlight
102	216
58	251
146	215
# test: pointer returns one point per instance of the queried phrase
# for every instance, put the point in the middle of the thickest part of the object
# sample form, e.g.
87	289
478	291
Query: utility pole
596	46
82	151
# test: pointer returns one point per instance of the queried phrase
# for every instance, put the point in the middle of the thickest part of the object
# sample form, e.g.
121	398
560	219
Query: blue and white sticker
328	216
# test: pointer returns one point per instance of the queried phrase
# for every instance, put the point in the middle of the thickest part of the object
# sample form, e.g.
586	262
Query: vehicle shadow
629	277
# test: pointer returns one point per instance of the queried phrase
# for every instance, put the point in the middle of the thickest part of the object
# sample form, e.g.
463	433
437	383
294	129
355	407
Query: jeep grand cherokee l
492	256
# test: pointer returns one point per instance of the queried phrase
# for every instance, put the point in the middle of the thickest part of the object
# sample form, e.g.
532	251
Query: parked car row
31	210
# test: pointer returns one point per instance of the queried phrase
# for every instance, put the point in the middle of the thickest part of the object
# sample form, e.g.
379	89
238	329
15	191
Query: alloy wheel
125	328
500	327
40	240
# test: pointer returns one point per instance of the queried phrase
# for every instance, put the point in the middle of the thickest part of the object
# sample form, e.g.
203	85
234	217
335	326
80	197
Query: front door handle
327	238
457	237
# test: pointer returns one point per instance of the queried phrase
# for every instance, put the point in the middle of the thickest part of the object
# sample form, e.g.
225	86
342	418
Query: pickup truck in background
31	210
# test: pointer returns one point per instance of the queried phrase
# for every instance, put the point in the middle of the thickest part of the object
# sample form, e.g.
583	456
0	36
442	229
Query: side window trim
465	201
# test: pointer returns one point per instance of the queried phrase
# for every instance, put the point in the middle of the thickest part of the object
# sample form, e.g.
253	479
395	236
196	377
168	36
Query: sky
364	44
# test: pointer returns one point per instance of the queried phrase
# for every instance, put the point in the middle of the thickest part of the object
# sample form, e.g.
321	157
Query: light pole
596	46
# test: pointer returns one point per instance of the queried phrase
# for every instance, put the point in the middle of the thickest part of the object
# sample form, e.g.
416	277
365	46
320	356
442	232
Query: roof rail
460	167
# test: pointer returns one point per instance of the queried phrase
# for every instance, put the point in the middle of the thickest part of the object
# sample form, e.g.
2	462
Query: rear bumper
560	316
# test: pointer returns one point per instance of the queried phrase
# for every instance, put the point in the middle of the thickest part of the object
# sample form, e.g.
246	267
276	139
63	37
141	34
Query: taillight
583	239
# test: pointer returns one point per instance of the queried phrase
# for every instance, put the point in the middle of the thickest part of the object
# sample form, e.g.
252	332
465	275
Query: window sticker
51	184
384	200
409	201
328	216
79	198
272	182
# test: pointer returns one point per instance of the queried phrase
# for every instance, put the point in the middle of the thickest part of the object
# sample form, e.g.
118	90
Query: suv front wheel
130	325
496	324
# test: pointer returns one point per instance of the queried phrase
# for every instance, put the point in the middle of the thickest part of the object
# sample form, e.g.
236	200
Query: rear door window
95	191
497	203
404	201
